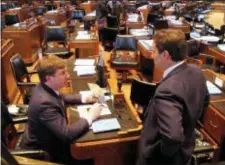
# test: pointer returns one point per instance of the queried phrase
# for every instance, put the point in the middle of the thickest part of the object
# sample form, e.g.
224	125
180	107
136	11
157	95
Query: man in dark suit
47	123
168	136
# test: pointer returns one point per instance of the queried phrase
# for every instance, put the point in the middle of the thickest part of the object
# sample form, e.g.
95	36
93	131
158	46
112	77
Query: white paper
77	68
84	62
85	72
221	47
146	43
13	109
219	82
83	110
105	125
176	22
83	37
213	89
139	32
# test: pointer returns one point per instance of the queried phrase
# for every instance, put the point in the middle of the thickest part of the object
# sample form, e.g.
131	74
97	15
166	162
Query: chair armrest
38	154
33	72
22	119
26	84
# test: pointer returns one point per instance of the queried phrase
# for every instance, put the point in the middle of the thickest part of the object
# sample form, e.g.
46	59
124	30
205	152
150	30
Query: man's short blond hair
48	66
173	41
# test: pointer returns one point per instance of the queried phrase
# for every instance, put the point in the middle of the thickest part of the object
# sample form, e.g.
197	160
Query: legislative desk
214	51
185	26
59	16
22	12
85	47
8	85
113	147
26	37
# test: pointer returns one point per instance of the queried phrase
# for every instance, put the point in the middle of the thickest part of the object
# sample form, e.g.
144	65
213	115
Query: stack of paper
146	43
83	110
139	32
105	125
213	89
83	35
176	22
85	67
132	18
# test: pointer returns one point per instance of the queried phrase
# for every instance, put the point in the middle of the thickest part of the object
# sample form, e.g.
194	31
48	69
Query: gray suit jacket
47	126
168	136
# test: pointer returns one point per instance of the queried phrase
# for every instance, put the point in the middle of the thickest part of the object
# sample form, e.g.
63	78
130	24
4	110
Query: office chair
22	77
160	24
50	7
77	14
4	7
56	35
101	10
192	48
40	10
124	57
12	139
108	37
11	19
152	17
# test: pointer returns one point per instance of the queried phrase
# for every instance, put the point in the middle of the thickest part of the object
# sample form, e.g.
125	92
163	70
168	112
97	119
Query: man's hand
94	111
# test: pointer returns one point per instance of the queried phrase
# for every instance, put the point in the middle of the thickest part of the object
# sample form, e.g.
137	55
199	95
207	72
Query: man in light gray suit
168	136
47	123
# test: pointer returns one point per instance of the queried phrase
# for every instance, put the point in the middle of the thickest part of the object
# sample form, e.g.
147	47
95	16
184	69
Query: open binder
142	92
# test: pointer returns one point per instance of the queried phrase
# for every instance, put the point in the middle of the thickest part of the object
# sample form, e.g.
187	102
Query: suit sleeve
56	123
72	98
169	117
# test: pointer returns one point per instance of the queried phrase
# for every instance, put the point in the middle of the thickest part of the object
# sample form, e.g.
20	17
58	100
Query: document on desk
83	110
213	89
104	125
83	37
88	93
84	62
85	70
146	43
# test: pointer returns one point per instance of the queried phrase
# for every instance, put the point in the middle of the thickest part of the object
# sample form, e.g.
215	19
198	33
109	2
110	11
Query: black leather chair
77	14
4	7
12	139
152	17
108	37
11	19
160	24
192	48
40	10
56	35
124	57
50	7
22	77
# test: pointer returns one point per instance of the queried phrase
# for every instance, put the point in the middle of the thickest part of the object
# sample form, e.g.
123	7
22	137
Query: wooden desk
85	47
114	147
145	11
26	38
23	13
42	22
214	51
185	27
8	85
59	16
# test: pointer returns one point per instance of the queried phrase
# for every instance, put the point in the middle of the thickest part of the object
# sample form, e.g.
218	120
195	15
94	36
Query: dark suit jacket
47	126
168	136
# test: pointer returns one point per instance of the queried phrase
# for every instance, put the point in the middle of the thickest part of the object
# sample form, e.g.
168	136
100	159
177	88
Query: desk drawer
214	124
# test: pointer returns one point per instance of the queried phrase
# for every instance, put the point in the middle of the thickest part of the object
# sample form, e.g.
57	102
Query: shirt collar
170	69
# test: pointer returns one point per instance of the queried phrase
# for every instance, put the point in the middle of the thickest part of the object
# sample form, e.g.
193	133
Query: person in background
114	7
168	135
47	127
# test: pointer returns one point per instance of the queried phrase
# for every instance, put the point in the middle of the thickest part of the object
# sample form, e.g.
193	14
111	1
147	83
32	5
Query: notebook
104	125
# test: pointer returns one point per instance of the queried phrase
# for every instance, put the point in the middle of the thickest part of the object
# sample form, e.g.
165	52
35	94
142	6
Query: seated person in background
47	123
168	135
114	8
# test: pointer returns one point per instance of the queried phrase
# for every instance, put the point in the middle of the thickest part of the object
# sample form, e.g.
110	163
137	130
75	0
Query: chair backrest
77	14
101	10
55	33
2	22
161	24
192	48
41	10
8	131
109	34
112	21
152	17
19	68
126	42
4	7
11	19
50	7
115	10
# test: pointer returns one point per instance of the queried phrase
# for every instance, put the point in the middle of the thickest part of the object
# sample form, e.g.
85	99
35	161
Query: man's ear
166	55
47	77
